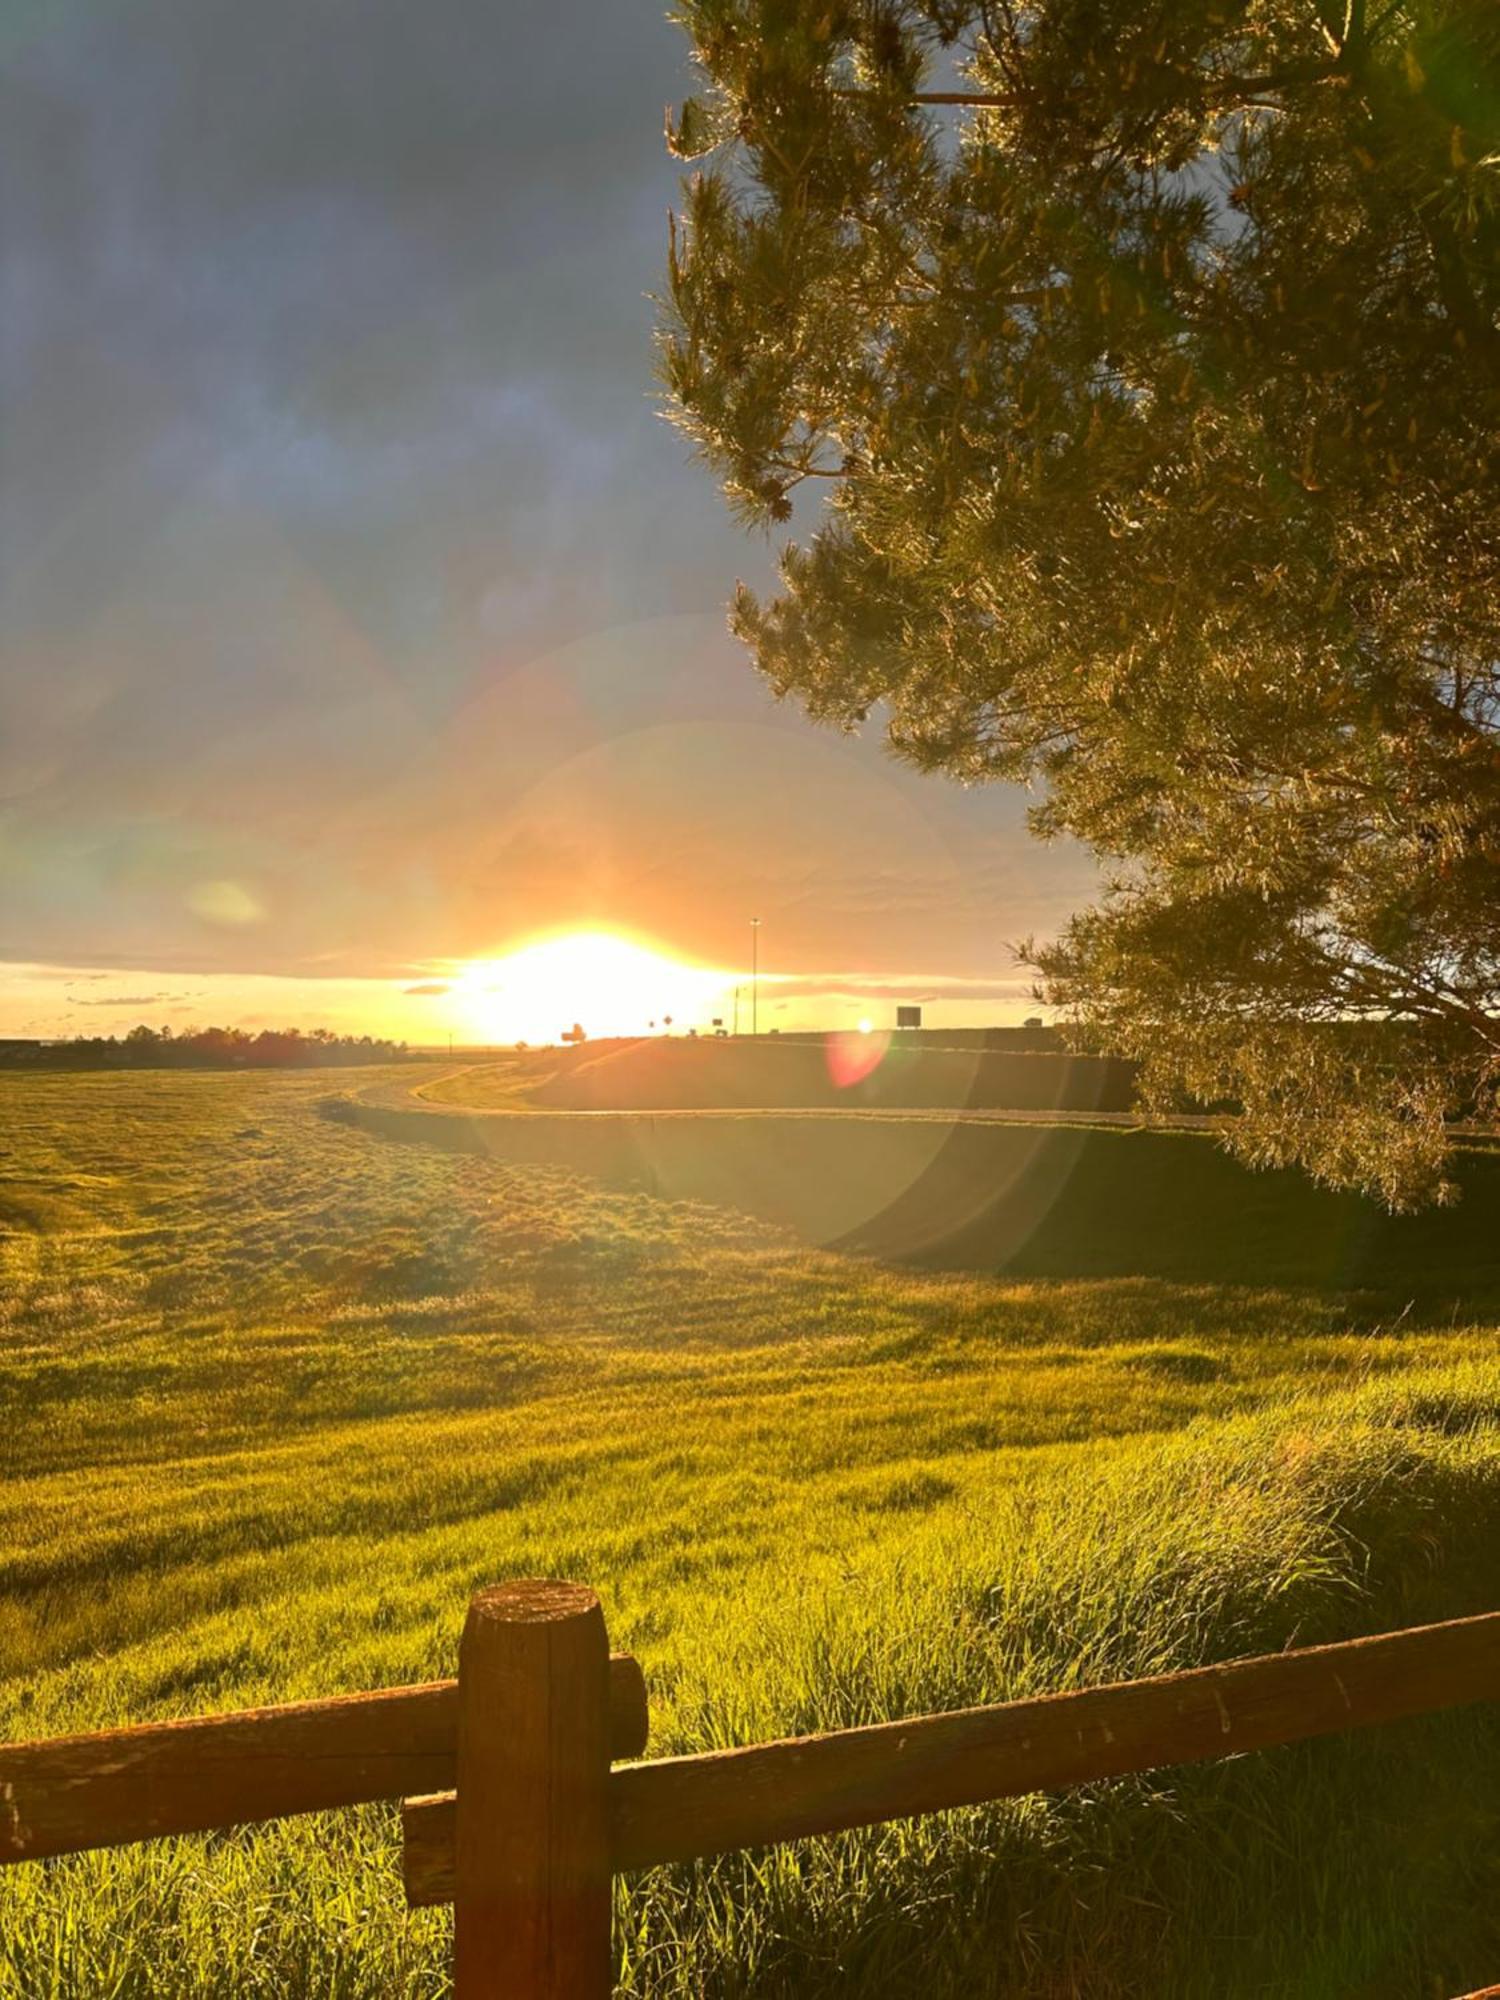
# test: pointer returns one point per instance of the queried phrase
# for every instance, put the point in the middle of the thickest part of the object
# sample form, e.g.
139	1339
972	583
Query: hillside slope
854	1072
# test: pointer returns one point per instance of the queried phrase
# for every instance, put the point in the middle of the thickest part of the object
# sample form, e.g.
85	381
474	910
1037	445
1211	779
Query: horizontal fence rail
544	1813
69	1793
683	1808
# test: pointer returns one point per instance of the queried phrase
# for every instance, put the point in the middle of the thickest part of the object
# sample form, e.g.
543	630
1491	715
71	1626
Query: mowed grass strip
279	1395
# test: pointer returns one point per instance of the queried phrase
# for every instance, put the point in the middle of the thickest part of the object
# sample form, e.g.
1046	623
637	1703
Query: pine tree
1144	358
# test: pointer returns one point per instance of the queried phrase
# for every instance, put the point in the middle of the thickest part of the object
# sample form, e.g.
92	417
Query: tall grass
279	1395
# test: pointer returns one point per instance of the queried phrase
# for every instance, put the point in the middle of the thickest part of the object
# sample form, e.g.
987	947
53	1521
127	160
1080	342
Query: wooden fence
539	1822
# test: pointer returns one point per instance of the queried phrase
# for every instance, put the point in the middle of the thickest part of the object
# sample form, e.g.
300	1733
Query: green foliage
1148	359
279	1394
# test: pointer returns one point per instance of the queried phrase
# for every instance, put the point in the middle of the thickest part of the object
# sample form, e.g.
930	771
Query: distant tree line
205	1048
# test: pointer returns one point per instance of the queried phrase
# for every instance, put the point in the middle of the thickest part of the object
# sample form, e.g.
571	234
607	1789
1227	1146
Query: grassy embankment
279	1393
868	1170
870	1072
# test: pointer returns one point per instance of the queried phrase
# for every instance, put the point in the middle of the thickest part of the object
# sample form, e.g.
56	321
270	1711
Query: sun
607	983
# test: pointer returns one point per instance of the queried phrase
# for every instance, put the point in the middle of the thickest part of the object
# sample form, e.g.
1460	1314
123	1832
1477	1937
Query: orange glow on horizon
606	981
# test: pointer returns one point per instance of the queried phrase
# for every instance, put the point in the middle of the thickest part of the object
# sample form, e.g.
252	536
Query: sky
360	616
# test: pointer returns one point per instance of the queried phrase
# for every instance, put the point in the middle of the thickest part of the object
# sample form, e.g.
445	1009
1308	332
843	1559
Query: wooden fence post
532	1901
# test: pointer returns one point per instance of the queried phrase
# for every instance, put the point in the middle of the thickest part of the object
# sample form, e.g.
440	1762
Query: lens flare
853	1057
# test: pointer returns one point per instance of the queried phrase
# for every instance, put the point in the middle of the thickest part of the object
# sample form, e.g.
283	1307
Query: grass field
1031	1197
279	1392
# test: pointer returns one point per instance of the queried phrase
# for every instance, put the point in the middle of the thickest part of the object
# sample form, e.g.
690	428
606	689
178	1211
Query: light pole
755	975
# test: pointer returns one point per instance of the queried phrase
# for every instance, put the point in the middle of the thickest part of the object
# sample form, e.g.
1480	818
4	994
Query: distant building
908	1017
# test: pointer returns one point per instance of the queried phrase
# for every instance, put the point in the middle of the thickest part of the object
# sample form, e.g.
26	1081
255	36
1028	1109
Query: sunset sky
360	617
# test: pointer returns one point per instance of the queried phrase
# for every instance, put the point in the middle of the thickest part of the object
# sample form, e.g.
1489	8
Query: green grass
1029	1199
278	1393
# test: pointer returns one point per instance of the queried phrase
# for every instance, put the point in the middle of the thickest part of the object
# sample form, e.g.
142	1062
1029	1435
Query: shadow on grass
1028	1201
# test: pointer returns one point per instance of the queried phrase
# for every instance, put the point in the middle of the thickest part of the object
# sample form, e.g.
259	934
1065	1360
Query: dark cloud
376	269
125	1000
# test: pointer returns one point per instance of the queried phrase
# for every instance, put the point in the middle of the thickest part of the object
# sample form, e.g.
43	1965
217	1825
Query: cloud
430	987
125	1000
913	987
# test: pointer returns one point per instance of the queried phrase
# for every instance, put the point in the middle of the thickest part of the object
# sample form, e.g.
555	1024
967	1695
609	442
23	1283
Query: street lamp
755	975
